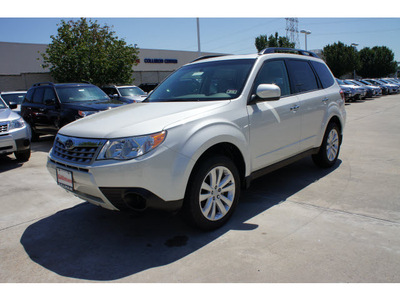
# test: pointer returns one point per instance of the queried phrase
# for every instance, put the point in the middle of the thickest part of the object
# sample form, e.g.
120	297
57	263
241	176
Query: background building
20	65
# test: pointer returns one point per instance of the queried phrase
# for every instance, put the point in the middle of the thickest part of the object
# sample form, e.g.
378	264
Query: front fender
193	141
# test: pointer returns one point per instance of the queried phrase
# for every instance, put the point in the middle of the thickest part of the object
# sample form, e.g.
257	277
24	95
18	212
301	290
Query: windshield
350	82
380	82
131	91
340	82
80	94
210	81
16	98
359	83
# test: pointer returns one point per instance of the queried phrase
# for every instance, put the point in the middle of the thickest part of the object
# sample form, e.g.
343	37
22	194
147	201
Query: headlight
86	113
131	147
18	123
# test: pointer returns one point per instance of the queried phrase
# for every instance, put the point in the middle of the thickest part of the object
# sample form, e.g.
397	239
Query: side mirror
12	105
268	92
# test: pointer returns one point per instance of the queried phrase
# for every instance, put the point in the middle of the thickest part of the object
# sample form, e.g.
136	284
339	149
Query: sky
234	32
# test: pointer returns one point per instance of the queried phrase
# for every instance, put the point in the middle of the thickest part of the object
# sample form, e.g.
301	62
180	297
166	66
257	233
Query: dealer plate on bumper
65	179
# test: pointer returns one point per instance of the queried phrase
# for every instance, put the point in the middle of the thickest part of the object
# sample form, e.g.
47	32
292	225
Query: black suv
48	106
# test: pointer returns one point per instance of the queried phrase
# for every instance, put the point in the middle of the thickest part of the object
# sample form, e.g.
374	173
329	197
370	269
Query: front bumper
156	180
15	140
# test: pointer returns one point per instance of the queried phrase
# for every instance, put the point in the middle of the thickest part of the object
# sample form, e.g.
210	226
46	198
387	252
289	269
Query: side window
38	96
302	76
274	72
324	74
28	96
49	94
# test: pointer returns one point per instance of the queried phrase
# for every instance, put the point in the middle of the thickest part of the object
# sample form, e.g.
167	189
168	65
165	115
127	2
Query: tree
85	51
341	58
263	42
377	62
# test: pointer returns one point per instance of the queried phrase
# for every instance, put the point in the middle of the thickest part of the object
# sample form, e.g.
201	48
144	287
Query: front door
275	126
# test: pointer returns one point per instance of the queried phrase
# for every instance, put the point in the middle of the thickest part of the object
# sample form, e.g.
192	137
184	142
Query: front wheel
23	156
212	194
329	150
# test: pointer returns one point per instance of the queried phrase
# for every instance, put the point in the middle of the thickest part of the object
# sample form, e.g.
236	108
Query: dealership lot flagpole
198	37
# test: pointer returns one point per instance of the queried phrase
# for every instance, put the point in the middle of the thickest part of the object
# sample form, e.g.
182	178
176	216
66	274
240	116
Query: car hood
93	105
7	114
138	119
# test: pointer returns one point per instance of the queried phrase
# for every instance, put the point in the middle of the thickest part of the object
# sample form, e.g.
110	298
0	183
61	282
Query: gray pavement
298	224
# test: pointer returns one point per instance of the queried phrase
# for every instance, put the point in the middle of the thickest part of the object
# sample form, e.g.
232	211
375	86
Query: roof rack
53	84
208	56
290	50
43	83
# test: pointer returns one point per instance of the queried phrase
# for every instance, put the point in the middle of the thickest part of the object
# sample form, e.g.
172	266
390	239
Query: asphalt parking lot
298	224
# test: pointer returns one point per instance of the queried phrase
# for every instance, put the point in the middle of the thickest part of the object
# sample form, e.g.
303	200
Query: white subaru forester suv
206	131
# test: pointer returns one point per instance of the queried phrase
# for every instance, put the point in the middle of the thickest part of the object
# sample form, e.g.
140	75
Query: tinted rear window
324	74
302	76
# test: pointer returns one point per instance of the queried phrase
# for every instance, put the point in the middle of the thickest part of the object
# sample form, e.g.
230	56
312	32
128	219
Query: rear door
313	100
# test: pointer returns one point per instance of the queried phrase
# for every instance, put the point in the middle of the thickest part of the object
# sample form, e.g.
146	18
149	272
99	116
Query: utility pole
354	45
292	30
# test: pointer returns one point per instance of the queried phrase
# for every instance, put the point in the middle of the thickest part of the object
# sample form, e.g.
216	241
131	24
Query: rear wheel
329	150
212	194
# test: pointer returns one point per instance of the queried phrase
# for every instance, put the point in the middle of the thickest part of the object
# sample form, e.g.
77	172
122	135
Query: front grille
3	127
76	150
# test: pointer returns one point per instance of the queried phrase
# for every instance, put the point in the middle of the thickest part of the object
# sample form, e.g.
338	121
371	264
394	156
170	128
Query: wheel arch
226	149
335	119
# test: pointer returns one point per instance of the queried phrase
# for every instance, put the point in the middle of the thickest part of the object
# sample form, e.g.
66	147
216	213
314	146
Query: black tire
24	155
330	147
221	194
35	135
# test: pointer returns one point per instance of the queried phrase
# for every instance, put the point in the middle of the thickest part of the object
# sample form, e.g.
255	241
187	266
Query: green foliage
85	51
341	58
263	42
376	62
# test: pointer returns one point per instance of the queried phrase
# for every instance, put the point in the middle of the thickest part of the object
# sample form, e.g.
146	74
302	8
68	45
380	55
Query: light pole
355	49
306	32
198	37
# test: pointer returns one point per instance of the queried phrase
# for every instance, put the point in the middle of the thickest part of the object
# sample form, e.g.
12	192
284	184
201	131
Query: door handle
294	108
325	100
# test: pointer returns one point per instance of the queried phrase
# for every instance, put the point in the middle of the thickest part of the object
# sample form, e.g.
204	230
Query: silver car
12	98
206	131
15	133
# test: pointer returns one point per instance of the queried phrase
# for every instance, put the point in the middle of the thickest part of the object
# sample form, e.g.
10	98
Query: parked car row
363	88
47	106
